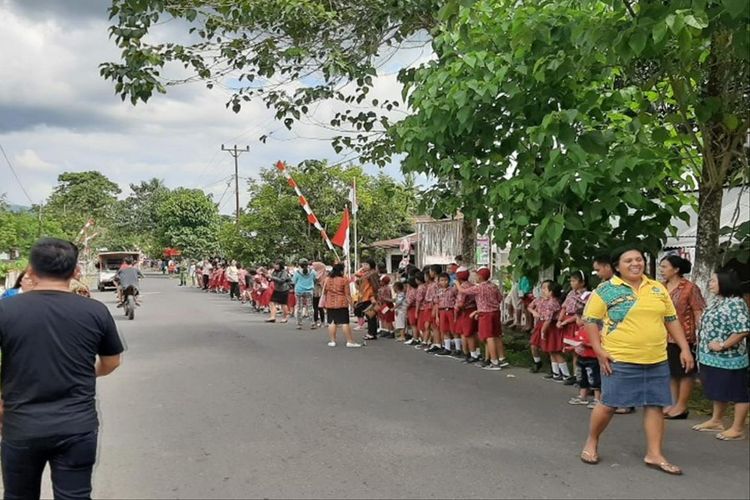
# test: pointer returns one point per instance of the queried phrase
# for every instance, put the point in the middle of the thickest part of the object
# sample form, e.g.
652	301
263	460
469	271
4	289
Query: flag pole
354	214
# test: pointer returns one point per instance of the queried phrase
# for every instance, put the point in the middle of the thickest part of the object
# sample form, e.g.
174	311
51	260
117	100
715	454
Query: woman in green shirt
722	355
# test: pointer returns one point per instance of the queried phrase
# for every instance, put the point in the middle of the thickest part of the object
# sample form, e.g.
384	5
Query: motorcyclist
128	275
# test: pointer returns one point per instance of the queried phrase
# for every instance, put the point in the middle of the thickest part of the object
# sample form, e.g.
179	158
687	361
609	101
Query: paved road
210	402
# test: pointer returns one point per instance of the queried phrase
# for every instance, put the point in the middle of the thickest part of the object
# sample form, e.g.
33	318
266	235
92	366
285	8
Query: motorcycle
128	300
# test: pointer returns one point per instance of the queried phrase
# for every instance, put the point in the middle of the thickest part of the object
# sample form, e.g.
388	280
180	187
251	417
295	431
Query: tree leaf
735	7
637	42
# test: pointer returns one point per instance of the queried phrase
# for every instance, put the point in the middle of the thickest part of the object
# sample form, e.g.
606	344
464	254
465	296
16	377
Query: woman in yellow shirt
636	313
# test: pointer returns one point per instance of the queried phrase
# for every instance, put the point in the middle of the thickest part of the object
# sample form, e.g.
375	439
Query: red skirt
291	300
412	316
568	332
265	297
489	325
447	321
425	319
553	341
466	326
390	315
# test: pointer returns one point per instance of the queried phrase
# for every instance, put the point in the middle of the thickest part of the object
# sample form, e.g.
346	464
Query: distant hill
18	208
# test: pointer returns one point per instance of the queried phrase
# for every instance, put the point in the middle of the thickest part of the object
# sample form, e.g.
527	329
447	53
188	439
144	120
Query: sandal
665	467
270	321
589	458
369	337
708	428
723	437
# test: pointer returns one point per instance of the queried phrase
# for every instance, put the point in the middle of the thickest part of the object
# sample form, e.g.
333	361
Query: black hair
382	268
436	268
337	271
419	276
252	271
459	258
580	276
412	282
280	263
444	275
17	284
398	286
371	263
683	266
618	253
54	258
729	283
128	260
554	288
604	259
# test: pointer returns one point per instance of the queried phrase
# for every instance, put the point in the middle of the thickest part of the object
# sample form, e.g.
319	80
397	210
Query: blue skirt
636	385
724	385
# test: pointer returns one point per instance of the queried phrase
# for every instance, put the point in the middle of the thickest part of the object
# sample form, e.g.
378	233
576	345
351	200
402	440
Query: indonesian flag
341	238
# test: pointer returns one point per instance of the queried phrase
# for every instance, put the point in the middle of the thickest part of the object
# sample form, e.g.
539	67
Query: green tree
137	221
188	220
534	138
274	224
80	196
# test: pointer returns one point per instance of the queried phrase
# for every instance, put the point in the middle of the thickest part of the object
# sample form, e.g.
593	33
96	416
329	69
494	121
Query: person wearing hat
304	284
489	298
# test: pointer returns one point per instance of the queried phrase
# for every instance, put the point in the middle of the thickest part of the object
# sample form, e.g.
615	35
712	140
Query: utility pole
236	154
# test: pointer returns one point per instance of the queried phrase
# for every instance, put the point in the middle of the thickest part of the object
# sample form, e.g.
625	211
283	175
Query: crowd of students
455	313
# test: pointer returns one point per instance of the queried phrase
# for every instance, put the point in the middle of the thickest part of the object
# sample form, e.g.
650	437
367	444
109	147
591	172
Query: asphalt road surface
210	402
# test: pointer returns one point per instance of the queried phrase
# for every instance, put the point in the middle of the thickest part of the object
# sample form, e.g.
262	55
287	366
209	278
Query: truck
108	263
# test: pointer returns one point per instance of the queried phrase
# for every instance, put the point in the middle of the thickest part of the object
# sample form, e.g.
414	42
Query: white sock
476	353
495	362
458	344
555	368
537	359
447	344
564	369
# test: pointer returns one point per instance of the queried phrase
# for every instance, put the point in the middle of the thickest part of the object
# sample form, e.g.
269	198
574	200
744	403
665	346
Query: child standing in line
386	315
432	329
424	311
466	322
400	308
445	315
567	321
489	298
411	310
547	336
589	365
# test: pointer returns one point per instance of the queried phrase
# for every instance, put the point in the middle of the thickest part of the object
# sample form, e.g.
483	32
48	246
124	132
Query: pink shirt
465	301
487	295
411	297
547	308
421	290
446	297
385	294
429	295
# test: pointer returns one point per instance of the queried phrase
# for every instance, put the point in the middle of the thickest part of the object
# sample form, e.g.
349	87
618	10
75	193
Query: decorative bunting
311	218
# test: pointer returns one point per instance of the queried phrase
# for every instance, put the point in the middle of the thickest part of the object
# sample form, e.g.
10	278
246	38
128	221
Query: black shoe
458	355
504	363
483	364
471	359
443	352
558	378
536	368
433	349
549	376
569	381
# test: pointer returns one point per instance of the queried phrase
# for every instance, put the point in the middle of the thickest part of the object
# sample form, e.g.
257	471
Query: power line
236	154
18	179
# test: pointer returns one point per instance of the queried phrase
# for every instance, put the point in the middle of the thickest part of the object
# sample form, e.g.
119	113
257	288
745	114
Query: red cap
463	275
385	279
484	273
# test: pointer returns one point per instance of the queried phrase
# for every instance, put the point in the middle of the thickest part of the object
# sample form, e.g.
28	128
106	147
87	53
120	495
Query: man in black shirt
50	339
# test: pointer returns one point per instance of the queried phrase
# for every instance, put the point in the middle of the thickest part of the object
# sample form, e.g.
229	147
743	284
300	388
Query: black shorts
675	367
590	374
279	297
338	316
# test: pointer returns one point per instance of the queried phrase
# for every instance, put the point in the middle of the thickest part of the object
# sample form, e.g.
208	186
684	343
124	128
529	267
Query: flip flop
665	467
701	428
723	437
589	458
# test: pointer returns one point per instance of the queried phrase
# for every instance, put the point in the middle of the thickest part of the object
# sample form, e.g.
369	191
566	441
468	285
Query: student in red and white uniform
466	321
567	319
489	298
387	314
445	316
430	301
547	336
423	319
411	308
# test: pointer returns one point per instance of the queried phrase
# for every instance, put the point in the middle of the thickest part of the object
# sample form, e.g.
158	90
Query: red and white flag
341	238
353	197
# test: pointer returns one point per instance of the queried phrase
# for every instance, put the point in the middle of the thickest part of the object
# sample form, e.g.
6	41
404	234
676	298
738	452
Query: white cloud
57	114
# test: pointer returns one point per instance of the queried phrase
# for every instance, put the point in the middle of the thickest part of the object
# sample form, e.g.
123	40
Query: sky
57	114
